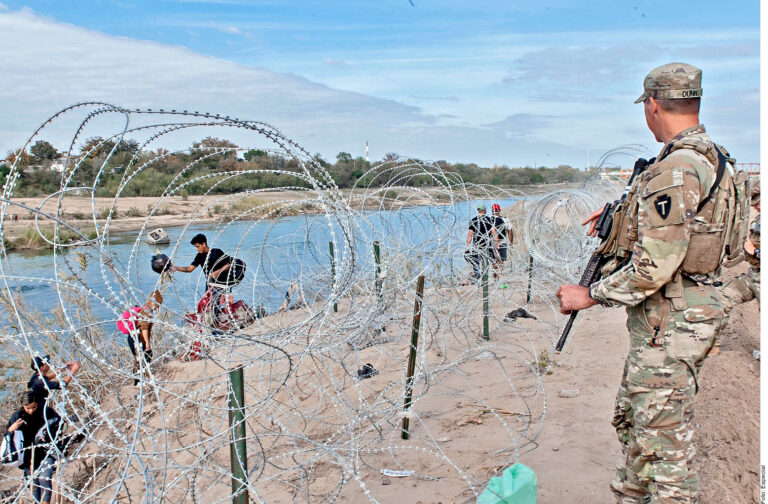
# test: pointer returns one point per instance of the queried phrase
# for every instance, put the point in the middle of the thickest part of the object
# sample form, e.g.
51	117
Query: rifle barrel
566	330
604	223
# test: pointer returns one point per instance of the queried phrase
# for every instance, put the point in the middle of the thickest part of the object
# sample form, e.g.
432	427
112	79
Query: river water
277	253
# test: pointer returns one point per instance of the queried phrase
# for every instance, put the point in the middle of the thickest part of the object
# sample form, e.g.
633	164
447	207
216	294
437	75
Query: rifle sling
718	179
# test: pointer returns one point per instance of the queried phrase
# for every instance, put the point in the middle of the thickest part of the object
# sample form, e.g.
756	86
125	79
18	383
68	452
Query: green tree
212	143
343	157
319	159
43	151
97	146
4	170
128	145
254	154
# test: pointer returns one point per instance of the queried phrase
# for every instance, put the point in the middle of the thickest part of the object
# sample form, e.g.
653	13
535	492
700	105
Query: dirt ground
578	449
573	449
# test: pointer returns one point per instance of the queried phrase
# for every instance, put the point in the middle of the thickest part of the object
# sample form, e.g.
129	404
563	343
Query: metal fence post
530	279
237	447
333	273
486	266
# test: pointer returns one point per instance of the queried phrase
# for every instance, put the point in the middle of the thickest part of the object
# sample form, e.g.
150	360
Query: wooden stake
412	357
377	260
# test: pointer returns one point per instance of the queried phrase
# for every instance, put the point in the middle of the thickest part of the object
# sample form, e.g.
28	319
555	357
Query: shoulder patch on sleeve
664	180
664	197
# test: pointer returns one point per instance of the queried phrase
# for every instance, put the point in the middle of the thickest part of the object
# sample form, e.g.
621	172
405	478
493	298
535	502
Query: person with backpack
39	427
136	323
215	264
504	230
482	242
684	218
45	378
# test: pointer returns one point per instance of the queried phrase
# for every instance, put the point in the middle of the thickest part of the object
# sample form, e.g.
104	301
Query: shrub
133	212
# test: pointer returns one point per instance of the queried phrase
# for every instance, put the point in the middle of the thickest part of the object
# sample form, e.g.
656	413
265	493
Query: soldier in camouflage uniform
673	319
746	286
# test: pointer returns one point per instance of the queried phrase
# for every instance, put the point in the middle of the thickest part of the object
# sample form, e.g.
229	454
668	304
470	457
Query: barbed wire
316	431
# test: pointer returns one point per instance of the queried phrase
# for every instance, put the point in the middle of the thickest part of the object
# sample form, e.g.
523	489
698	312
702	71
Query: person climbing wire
215	264
136	323
45	378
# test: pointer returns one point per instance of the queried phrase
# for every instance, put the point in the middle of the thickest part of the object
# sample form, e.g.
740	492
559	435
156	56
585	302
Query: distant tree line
218	162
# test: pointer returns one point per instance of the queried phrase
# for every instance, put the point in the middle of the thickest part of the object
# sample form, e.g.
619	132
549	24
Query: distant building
616	173
59	164
748	167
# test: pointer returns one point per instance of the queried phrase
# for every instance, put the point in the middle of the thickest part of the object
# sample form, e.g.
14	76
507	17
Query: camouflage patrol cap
672	81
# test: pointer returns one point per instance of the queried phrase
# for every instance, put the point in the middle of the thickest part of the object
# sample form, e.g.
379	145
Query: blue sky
516	83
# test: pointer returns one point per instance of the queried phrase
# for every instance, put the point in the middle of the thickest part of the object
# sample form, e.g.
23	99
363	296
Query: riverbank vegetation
225	169
31	239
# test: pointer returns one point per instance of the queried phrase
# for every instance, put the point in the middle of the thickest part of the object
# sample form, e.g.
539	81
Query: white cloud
55	65
471	115
234	30
335	63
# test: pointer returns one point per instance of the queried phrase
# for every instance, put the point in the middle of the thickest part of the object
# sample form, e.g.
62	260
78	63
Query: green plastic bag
516	485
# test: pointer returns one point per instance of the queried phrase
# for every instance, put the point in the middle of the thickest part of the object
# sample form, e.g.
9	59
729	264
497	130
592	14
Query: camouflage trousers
741	289
654	405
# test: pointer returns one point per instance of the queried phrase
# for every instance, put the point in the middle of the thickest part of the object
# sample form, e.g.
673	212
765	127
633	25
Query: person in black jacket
482	242
40	427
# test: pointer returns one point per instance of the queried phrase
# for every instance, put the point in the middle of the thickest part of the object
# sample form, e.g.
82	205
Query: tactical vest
720	223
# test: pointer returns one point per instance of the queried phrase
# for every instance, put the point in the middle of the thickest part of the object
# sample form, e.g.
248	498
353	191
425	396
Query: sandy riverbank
566	438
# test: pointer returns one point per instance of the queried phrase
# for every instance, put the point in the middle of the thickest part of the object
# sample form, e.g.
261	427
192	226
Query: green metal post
333	273
237	448
377	260
486	265
530	279
412	356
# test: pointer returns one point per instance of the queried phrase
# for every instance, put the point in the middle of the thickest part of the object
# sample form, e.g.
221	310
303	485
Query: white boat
158	236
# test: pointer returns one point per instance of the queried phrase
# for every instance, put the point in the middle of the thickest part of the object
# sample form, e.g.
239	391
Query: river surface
277	253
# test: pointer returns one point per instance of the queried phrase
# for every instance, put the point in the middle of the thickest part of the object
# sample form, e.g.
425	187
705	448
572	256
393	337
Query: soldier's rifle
597	260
